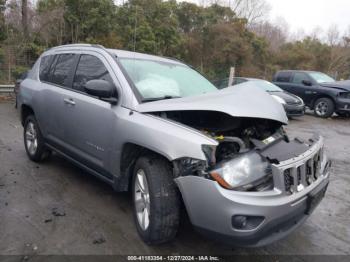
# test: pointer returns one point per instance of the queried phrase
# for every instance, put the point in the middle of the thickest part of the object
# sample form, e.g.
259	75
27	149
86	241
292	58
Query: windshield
267	86
321	77
163	80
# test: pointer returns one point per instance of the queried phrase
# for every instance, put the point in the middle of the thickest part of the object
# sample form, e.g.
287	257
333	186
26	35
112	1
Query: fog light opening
242	222
239	222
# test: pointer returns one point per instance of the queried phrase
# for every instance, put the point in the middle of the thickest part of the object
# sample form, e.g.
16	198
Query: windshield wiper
159	98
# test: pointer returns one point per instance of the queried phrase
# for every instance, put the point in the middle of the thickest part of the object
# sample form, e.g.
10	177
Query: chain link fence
14	61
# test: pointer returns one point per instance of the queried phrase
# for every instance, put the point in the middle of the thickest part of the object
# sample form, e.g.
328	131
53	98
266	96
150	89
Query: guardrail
7	88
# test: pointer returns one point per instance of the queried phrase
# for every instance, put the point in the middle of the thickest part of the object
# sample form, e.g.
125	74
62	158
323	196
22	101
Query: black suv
318	90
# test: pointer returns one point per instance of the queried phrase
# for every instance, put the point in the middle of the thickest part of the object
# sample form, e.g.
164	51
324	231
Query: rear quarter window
284	77
45	65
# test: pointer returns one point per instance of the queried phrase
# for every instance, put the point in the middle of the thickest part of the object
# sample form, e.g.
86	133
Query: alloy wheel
321	108
31	138
142	199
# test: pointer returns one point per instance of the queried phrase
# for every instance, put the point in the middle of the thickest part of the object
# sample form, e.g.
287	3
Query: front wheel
324	107
156	200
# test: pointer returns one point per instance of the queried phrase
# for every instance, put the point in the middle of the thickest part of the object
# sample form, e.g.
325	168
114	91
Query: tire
162	203
324	107
34	141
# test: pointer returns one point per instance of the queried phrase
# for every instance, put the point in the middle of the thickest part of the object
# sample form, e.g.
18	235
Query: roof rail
78	45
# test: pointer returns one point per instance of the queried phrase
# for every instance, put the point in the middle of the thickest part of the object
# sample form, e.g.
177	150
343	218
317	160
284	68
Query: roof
118	52
136	55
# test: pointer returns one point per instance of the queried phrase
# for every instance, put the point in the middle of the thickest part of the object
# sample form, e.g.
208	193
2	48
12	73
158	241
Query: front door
299	88
90	121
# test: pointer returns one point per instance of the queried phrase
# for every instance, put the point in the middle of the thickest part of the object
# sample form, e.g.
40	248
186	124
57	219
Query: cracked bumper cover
211	207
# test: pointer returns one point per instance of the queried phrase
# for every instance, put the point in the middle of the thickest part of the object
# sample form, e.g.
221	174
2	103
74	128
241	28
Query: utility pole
232	75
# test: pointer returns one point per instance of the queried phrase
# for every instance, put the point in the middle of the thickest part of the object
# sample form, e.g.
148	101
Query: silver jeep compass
157	127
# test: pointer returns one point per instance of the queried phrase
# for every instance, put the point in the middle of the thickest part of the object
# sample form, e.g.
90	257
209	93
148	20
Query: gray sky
308	14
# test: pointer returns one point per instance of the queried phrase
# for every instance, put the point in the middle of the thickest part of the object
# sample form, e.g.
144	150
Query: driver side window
298	78
89	68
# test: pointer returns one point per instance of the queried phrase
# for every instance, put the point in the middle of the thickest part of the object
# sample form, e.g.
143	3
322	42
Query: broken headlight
244	172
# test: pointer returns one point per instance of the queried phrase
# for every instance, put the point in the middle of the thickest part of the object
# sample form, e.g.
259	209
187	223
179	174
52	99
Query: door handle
69	101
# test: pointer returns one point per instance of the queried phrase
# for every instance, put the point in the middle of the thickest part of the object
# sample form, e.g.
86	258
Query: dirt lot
56	208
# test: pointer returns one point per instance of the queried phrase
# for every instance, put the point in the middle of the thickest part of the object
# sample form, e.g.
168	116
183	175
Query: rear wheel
324	107
156	200
34	141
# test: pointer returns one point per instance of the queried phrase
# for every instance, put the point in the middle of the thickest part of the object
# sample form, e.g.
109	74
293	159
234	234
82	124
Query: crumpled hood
344	85
244	100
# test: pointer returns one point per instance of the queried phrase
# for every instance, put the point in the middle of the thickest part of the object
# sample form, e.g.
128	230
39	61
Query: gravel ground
56	208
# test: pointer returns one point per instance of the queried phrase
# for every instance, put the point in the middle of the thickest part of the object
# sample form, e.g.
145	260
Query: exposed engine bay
234	134
246	148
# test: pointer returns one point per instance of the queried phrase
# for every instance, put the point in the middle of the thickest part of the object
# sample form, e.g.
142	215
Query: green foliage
89	18
18	70
2	55
2	20
149	26
308	54
211	38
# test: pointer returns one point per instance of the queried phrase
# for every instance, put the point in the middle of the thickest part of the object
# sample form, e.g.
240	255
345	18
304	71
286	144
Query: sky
309	14
306	15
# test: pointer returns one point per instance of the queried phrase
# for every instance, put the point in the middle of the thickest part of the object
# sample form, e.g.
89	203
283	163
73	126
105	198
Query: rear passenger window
45	64
299	78
284	77
89	68
63	68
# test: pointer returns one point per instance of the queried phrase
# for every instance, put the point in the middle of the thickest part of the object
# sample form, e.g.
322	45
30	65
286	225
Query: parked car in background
319	91
18	83
293	105
157	127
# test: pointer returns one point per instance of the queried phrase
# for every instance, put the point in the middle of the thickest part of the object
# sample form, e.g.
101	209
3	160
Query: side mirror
99	88
307	83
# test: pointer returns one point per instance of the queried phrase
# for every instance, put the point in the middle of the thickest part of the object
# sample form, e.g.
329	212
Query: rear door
56	79
283	80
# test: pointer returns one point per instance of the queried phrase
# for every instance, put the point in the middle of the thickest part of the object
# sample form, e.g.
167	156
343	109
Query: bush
18	70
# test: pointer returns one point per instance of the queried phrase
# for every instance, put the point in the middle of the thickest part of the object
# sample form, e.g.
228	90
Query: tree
51	25
150	26
88	19
277	33
2	20
25	18
212	36
252	10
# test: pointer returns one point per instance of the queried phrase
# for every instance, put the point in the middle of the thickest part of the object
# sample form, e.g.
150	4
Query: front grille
288	180
298	177
294	103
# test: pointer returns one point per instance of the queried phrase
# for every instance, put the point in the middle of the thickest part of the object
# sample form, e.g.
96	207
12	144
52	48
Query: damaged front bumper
259	218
